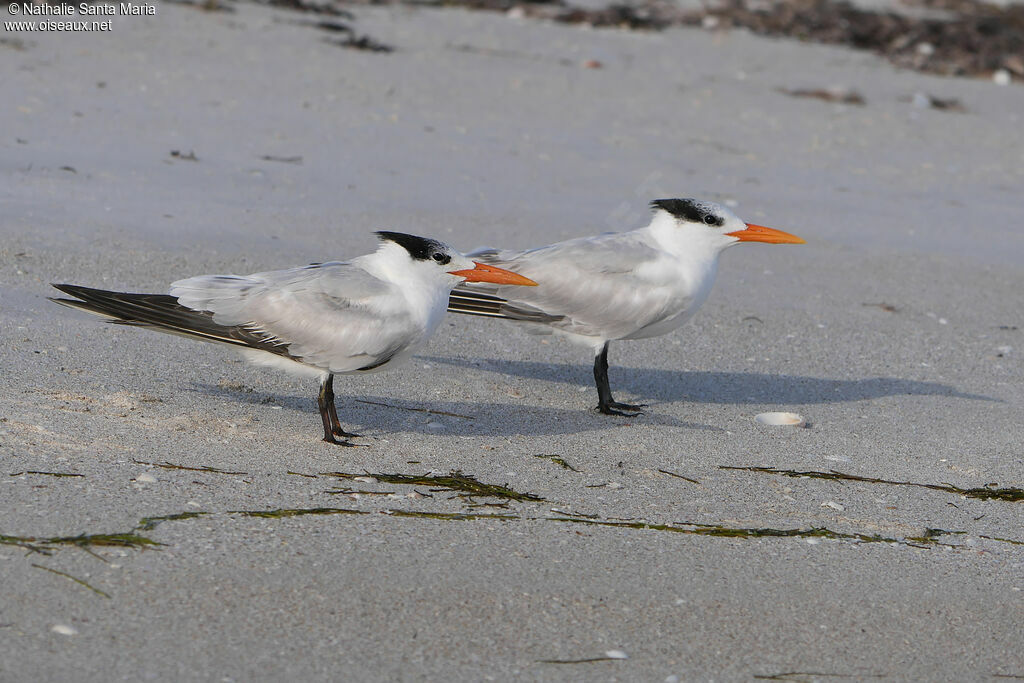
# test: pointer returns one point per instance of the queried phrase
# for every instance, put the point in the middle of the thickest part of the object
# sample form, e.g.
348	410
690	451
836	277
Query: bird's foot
622	409
338	431
329	438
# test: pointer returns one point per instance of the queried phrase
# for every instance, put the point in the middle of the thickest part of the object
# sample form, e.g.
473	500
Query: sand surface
897	332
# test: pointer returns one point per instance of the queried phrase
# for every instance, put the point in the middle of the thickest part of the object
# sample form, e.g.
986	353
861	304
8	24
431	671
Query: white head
432	261
691	222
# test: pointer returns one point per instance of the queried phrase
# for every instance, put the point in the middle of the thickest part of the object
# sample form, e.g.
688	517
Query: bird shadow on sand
736	388
382	414
376	415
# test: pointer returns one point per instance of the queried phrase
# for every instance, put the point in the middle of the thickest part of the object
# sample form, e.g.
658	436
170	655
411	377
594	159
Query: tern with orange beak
627	285
318	321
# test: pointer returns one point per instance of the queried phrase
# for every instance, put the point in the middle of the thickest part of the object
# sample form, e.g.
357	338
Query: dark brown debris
927	101
888	308
955	38
645	16
14	43
351	39
366	43
206	5
283	160
838	95
978	39
325	7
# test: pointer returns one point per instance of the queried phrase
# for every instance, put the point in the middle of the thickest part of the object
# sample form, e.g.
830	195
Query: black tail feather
163	312
470	302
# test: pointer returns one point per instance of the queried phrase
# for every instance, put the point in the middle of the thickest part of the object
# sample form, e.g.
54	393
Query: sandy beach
170	513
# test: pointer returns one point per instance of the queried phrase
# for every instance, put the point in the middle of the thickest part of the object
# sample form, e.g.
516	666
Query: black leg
336	427
329	414
605	403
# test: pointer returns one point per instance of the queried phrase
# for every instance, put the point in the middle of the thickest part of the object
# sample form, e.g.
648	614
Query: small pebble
616	654
146	478
834	506
64	629
1001	77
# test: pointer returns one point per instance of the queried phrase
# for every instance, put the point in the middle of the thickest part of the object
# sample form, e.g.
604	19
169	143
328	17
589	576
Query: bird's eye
710	220
441	258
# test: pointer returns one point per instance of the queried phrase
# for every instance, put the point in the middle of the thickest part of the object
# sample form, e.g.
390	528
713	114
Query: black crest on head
688	209
420	248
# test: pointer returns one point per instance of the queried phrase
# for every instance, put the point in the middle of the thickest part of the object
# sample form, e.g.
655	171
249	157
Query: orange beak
499	276
759	233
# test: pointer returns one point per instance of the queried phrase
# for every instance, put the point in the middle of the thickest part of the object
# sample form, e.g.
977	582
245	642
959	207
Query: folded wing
334	316
608	286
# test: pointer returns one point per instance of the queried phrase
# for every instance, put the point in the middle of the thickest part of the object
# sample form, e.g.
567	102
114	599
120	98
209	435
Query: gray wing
607	286
334	316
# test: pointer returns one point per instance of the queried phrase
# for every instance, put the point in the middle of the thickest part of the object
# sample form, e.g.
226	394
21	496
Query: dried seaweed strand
73	578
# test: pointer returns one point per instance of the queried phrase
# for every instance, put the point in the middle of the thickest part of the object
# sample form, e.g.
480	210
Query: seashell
781	419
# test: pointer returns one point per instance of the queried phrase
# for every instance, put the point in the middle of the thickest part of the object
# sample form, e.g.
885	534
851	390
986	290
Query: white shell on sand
781	419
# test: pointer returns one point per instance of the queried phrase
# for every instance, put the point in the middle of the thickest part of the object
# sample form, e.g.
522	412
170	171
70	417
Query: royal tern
627	285
316	321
